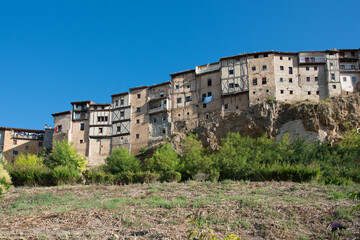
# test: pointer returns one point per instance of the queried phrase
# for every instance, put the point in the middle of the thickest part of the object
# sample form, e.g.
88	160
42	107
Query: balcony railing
158	107
79	116
27	135
312	59
349	67
80	108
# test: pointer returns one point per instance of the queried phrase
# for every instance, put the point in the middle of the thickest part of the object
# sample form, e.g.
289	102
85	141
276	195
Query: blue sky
56	52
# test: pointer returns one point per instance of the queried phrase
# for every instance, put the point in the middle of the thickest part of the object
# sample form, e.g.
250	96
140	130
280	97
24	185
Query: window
40	144
26	147
264	67
353	79
138	109
139	95
204	105
137	121
188	113
290	80
265	55
15	153
281	68
209	82
308	79
188	99
116	103
307	68
14	142
118	129
255	81
267	90
164	118
81	141
256	56
282	91
187	86
290	70
280	58
315	68
334	86
121	101
203	96
100	130
317	92
264	80
82	126
154	120
333	76
209	94
178	100
226	106
253	68
281	80
236	85
331	64
106	118
289	58
164	131
137	136
231	85
316	79
231	71
309	93
291	91
344	79
122	114
177	87
353	54
162	94
59	128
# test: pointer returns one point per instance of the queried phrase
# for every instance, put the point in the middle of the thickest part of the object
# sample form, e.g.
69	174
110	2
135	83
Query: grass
263	210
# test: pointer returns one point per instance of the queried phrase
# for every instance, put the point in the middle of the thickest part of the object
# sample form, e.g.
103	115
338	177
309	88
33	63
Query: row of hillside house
147	114
14	141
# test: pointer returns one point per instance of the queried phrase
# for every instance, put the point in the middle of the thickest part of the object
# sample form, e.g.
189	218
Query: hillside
266	210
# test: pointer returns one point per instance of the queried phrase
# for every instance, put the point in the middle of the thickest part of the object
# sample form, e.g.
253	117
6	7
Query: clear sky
55	52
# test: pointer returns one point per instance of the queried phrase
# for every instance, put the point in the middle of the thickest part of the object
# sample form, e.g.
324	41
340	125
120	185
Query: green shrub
125	177
164	159
120	161
171	176
5	180
65	175
145	177
65	154
336	180
28	160
30	175
290	173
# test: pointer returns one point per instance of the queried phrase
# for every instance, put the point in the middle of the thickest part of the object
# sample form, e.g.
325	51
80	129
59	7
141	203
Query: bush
125	177
164	159
5	180
30	160
171	176
120	161
145	177
30	175
65	175
99	178
65	154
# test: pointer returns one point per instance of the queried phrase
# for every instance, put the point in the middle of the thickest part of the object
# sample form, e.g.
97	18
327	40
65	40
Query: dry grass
266	210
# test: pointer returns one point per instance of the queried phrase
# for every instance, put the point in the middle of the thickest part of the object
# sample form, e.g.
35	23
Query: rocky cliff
324	120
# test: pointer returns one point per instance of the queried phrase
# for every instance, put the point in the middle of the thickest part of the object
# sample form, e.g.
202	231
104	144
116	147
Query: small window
290	70
178	114
253	68
281	68
331	64
281	58
317	92
154	120
309	93
265	55
188	99
59	128
138	109
139	95
236	85
161	94
40	144
204	105
164	131
315	68
282	91
177	87
164	118
14	142
82	126
267	90
264	67
188	113
106	118
187	86
308	79
231	85
100	130
353	79
116	103
334	86
333	76
289	58
255	81
344	79
307	68
291	91
256	56
209	94
209	82
290	80
137	136
26	147
118	129
15	153
226	106
231	71
122	114
264	80
178	100
254	92
137	121
121	101
281	80
316	79
203	96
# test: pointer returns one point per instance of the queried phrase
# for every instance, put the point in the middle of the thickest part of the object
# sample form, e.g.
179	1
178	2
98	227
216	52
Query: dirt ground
262	210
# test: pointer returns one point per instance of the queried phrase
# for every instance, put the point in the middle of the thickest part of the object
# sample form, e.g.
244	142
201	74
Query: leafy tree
164	159
65	154
121	160
5	180
28	160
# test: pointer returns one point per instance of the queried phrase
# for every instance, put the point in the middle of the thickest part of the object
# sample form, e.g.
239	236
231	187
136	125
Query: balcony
349	67
312	60
80	108
207	68
158	107
28	135
80	116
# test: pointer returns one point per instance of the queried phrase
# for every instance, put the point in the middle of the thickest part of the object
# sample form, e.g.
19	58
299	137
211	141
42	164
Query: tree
65	154
5	180
28	160
164	159
121	160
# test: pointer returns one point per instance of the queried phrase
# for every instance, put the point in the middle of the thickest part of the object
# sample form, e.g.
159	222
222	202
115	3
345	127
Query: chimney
45	126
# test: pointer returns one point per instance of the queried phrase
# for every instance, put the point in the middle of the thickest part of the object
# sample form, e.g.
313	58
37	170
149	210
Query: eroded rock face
324	120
